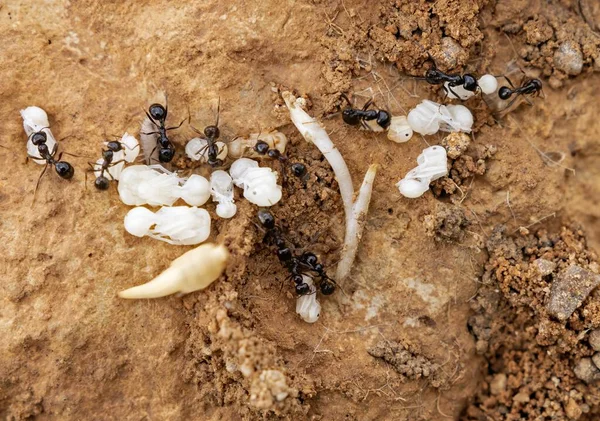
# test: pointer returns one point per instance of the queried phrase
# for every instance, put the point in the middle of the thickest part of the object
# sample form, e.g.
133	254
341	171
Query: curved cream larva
192	271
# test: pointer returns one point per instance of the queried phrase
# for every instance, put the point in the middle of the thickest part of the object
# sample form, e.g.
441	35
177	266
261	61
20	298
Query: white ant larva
192	271
177	225
259	183
432	164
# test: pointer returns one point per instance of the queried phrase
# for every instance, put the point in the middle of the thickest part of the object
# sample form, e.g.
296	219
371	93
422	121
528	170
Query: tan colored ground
71	350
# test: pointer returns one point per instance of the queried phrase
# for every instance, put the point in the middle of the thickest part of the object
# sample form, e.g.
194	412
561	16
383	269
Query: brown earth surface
442	316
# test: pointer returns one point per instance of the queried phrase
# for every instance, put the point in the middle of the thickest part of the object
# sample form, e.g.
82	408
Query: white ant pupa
259	183
244	146
307	306
192	271
155	186
432	164
35	120
177	225
429	117
197	150
221	188
399	130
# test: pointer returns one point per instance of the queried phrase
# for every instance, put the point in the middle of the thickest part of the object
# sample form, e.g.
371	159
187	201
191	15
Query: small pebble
594	339
498	384
596	359
573	410
544	267
569	289
586	370
452	54
569	58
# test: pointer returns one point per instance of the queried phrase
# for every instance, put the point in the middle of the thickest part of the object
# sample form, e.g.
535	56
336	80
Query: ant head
266	219
280	243
212	132
298	169
64	169
158	112
298	279
261	147
350	116
537	84
327	287
302	289
114	146
384	119
284	254
318	268
102	183
166	154
38	138
504	93
470	83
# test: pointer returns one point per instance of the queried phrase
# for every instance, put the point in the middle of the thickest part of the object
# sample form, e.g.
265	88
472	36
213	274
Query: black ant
435	76
262	148
63	168
297	266
158	115
102	183
531	87
355	116
211	134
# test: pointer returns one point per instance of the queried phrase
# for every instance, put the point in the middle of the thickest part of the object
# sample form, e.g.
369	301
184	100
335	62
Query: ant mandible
63	168
355	116
158	115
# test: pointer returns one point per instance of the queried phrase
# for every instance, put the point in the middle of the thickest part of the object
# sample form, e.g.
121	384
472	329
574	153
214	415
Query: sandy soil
400	341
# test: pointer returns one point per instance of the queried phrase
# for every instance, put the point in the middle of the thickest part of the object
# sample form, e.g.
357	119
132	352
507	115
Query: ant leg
152	120
38	182
178	126
509	82
343	95
367	105
149	133
510	104
152	153
218	111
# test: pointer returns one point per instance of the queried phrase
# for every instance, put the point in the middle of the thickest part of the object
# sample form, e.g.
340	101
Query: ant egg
221	186
488	84
307	306
399	130
432	164
244	146
192	271
197	150
177	225
35	120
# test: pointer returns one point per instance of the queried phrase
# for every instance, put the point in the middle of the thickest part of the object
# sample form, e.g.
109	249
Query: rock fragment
569	58
594	339
586	370
569	289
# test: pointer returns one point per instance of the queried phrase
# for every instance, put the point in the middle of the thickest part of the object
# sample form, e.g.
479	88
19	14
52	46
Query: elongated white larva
192	271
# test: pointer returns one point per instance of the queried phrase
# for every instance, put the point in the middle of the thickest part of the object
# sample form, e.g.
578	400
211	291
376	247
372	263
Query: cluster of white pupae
427	118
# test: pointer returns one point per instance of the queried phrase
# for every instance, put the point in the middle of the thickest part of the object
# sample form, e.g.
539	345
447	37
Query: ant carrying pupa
306	264
63	168
366	116
114	157
207	148
157	117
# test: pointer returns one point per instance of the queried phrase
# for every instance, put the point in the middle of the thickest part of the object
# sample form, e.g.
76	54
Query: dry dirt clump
408	363
465	162
561	41
539	359
447	224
